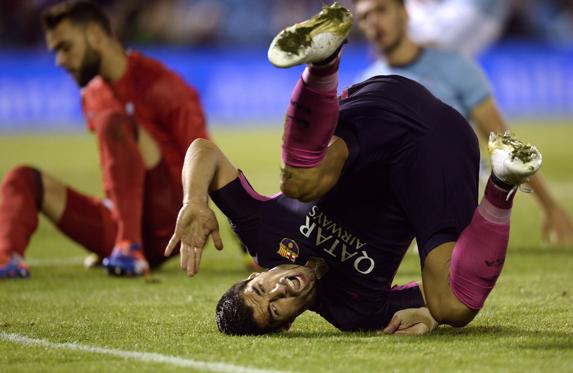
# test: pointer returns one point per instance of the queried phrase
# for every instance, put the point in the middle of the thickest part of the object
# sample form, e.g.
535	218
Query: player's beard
90	66
395	43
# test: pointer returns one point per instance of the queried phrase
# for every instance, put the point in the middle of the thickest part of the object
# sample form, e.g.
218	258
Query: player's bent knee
26	179
451	312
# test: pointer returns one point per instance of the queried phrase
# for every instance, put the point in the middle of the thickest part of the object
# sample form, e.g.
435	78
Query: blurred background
220	47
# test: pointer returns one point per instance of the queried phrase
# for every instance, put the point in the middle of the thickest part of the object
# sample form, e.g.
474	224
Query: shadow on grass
535	339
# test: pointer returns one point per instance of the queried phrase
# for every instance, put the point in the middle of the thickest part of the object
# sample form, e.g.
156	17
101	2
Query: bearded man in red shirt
144	117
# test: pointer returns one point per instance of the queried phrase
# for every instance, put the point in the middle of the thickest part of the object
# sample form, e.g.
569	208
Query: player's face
383	22
73	52
279	295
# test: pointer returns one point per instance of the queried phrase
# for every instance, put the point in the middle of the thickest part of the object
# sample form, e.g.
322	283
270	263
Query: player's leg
445	307
25	191
459	276
20	200
162	202
313	108
123	169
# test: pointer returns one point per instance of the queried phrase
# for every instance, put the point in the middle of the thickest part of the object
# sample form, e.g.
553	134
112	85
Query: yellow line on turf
150	357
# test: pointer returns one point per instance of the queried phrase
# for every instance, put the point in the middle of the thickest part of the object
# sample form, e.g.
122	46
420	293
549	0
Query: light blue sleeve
377	68
470	81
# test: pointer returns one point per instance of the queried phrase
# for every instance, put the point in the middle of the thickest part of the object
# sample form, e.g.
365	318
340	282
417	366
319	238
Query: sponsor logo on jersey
288	249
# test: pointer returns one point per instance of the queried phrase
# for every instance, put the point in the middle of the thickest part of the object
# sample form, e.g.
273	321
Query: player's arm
411	321
177	107
187	120
415	320
99	102
309	184
557	224
206	168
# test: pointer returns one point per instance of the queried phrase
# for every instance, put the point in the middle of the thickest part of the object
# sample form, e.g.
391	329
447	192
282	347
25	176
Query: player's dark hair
234	317
80	12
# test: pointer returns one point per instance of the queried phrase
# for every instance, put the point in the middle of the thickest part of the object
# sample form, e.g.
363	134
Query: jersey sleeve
179	110
375	69
239	202
187	120
471	82
98	98
353	313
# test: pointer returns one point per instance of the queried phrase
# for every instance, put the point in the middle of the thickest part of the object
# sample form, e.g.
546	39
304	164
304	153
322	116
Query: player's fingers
416	329
393	325
191	263
198	252
171	245
217	240
184	256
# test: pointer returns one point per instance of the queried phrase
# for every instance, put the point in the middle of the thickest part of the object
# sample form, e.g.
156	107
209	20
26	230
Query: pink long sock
479	254
312	116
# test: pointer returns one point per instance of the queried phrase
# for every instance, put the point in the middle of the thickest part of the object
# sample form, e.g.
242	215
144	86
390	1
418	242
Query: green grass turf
525	326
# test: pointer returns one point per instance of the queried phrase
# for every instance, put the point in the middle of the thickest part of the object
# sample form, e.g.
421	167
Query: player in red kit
144	117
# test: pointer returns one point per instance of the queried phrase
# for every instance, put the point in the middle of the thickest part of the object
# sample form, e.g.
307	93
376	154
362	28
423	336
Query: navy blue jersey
411	173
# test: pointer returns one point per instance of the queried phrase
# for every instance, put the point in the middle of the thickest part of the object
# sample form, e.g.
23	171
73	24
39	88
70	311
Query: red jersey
161	102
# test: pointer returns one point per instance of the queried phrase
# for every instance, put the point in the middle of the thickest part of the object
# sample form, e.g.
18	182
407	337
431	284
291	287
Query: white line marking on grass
150	357
56	262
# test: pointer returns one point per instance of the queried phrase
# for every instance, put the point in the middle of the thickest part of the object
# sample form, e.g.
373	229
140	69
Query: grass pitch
526	324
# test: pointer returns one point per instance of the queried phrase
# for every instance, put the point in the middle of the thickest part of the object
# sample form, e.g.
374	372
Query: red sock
87	221
20	200
123	172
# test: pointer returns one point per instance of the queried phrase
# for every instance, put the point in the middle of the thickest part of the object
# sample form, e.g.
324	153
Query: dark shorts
425	149
437	188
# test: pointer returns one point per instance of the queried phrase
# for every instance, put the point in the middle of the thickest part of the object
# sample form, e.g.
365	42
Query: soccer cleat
126	260
512	160
313	40
14	267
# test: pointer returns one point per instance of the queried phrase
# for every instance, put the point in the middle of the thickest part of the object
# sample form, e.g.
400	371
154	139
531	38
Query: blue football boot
126	260
14	267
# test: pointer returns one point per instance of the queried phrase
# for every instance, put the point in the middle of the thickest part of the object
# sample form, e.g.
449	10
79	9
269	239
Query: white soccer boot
512	160
313	40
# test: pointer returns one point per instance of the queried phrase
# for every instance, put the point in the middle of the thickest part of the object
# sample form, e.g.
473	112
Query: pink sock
312	115
479	254
323	78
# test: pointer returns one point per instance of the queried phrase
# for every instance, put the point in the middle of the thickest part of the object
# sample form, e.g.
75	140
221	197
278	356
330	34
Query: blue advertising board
240	88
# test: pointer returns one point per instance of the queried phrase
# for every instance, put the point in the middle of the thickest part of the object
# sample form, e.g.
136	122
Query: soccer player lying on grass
363	176
144	117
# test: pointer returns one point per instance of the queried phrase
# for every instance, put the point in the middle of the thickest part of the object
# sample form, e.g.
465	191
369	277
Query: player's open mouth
296	283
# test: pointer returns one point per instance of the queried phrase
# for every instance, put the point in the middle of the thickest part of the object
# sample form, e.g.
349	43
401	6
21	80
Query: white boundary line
56	262
149	357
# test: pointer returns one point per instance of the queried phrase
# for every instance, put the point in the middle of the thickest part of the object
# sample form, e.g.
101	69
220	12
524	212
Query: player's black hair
234	317
80	12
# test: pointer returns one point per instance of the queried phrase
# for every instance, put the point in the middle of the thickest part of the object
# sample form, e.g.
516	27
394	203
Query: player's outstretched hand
411	321
557	226
195	223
